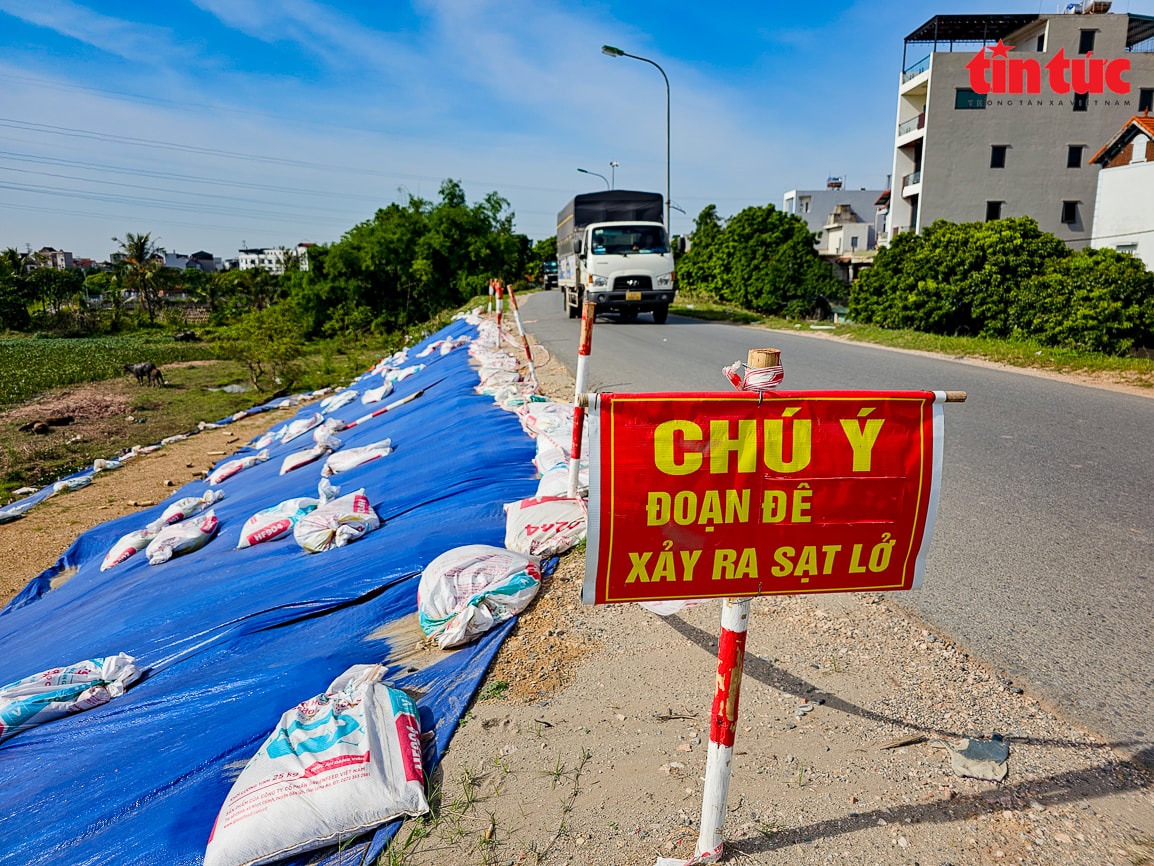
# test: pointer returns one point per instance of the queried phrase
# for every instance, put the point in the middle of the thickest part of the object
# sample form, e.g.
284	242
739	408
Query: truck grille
632	284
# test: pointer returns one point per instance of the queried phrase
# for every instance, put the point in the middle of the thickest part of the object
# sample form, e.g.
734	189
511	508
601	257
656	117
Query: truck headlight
598	282
665	280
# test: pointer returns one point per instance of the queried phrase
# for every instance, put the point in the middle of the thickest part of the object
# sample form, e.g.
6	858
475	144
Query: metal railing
911	179
916	70
913	123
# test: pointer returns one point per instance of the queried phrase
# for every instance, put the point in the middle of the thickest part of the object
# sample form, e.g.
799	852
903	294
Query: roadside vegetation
1001	291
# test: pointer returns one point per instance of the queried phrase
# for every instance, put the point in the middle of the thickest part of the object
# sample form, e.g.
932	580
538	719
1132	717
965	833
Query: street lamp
610	51
595	174
613	174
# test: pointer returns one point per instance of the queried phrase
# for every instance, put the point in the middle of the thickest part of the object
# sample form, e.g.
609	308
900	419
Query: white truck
612	249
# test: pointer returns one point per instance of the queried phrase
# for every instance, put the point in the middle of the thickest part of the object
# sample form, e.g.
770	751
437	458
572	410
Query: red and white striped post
763	373
500	307
524	339
585	345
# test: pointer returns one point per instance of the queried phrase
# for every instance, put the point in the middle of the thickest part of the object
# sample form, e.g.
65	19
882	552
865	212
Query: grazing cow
144	372
155	377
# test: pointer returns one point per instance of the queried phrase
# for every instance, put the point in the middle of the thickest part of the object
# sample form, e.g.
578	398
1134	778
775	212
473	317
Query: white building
844	223
998	117
272	259
1124	206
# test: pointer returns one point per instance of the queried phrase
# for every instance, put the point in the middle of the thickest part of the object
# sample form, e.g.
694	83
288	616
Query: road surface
1042	560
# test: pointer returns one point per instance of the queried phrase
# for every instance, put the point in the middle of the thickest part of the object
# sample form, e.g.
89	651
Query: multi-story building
999	116
843	221
50	257
1124	207
272	259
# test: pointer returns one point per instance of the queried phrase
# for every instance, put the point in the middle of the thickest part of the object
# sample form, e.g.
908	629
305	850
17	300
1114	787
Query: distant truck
612	250
549	274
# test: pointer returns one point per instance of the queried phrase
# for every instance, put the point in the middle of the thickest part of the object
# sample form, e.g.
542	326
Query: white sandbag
100	464
555	481
401	375
229	469
544	526
323	435
67	485
179	538
188	507
128	545
336	523
339	400
376	395
336	766
275	522
64	691
350	458
466	591
301	426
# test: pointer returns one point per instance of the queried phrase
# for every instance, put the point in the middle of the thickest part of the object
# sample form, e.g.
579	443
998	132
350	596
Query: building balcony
912	74
911	183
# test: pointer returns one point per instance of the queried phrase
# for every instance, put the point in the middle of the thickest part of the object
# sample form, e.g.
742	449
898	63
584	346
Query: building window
998	155
1074	155
1081	102
1086	41
1041	41
993	210
1069	212
967	99
1146	99
1129	249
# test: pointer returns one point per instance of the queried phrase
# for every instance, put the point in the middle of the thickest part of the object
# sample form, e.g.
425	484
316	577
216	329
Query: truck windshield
612	240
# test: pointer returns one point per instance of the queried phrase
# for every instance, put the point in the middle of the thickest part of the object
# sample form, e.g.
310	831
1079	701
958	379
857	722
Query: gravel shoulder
587	743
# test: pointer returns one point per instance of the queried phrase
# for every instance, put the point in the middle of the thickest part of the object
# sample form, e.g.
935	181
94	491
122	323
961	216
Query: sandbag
128	545
183	537
351	458
336	766
229	469
466	591
58	692
187	507
544	526
336	523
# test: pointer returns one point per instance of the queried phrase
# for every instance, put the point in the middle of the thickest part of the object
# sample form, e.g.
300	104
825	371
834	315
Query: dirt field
588	743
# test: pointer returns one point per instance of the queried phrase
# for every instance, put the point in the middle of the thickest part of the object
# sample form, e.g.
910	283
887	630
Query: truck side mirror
578	247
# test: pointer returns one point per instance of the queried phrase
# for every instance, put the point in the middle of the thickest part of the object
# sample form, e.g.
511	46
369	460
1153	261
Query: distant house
843	221
48	257
272	259
204	261
1123	216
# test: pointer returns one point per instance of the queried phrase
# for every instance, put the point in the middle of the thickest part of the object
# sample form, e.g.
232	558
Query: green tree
954	278
139	270
14	290
268	343
761	259
1096	300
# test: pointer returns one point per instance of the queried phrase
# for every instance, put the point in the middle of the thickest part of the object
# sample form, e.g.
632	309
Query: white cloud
130	40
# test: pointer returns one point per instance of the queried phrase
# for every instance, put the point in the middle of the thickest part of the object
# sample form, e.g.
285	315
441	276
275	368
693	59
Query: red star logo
1001	49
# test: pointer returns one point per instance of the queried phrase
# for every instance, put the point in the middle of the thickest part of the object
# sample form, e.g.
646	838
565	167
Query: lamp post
595	174
610	51
613	173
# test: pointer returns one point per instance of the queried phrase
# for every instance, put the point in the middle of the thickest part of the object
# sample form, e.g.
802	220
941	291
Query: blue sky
214	124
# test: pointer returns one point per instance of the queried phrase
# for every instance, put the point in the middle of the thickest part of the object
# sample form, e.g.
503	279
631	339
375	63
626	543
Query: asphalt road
1042	560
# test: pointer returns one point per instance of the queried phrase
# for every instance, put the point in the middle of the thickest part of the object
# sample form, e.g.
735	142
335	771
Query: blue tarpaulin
229	638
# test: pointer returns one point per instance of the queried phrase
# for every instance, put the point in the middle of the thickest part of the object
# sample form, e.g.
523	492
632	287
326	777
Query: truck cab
613	250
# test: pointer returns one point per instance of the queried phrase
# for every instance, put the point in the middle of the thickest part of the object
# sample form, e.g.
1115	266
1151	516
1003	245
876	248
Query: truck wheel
660	314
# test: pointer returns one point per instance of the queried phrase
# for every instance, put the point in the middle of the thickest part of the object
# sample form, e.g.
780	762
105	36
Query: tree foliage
1007	278
761	259
409	262
140	271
